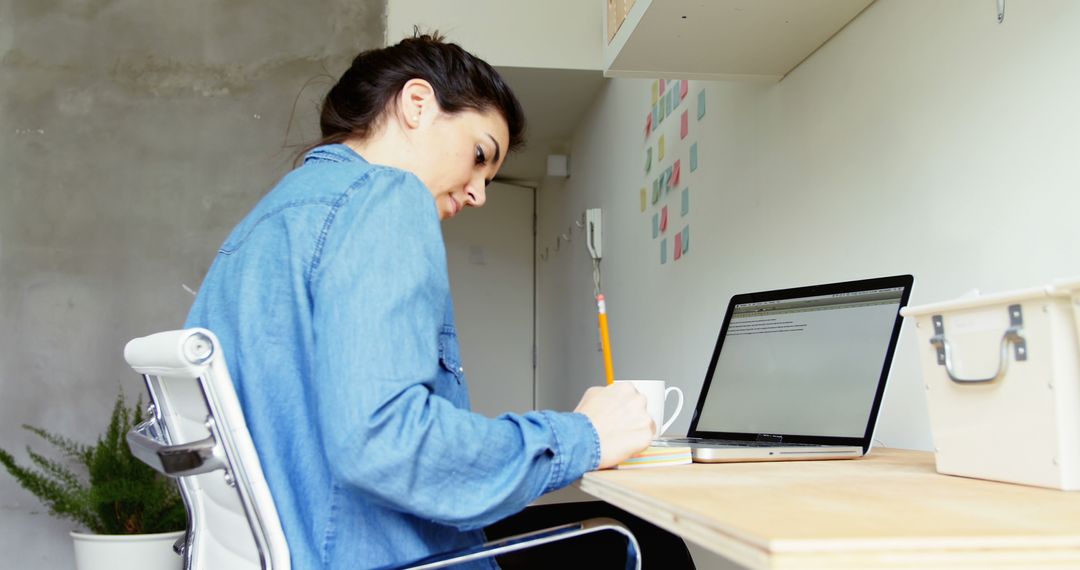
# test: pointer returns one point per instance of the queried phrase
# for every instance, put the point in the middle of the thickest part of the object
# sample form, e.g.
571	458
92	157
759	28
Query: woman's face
458	155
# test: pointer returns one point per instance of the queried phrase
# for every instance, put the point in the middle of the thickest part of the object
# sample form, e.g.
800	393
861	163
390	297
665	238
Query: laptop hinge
769	438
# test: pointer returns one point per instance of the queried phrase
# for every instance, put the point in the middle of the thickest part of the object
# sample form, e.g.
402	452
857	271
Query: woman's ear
417	102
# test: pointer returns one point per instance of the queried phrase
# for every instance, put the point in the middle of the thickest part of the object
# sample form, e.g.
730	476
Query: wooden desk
888	510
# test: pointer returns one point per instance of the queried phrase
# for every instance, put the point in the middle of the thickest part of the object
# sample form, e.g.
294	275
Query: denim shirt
332	303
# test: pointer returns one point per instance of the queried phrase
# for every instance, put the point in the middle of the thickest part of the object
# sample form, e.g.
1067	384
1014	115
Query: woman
332	302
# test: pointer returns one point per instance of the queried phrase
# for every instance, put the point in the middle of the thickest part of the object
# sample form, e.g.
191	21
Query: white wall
924	138
560	34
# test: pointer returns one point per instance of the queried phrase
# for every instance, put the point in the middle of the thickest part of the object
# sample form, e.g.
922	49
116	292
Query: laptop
798	373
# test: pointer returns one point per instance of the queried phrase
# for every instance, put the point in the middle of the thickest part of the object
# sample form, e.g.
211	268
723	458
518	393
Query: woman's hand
618	413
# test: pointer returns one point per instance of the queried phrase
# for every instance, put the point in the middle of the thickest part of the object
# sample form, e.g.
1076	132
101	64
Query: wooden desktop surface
890	509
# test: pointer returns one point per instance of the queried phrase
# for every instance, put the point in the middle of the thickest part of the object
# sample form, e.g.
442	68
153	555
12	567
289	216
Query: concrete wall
133	135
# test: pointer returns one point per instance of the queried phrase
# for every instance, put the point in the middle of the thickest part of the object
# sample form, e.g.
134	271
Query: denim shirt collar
333	153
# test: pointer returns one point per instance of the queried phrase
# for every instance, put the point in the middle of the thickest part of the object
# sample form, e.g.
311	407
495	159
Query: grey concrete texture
133	135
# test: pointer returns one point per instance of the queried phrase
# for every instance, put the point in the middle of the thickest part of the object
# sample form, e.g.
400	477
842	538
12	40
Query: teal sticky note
648	159
663	111
655	225
670	103
700	104
663	251
655	116
655	190
693	157
686	239
685	201
667	180
674	99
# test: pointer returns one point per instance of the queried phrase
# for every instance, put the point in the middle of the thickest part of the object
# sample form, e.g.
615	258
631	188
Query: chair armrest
529	540
179	460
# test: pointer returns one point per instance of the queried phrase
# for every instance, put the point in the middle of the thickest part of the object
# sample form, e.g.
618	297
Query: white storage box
1002	375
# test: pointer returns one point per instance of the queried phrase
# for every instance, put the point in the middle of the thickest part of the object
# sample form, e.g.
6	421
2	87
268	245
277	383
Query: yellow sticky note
655	92
643	199
660	148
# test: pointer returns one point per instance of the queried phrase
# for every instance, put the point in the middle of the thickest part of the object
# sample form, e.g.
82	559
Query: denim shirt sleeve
380	292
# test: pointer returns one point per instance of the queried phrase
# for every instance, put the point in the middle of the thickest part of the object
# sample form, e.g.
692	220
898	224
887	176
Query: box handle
1013	335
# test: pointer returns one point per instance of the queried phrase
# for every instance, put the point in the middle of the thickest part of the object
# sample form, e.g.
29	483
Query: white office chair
197	434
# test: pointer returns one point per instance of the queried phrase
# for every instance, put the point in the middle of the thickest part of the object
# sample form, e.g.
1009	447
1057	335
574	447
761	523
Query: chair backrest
196	433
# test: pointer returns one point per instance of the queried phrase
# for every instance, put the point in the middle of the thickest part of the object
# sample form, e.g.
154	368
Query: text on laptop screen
805	366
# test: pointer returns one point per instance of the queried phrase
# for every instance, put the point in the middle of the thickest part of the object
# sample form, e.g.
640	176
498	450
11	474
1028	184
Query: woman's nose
476	191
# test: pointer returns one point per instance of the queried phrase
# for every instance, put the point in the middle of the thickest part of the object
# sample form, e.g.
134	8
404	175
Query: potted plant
122	502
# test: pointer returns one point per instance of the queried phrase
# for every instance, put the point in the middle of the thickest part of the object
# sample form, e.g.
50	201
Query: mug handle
678	407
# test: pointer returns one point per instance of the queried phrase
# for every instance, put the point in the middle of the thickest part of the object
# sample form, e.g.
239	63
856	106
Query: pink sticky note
676	171
648	124
663	220
684	128
684	88
678	246
663	82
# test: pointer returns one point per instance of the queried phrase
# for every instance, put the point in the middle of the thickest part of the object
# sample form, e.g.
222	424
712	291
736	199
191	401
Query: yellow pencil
605	342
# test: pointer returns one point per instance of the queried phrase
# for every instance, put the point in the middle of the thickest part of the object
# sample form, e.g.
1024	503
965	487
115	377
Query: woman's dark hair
462	81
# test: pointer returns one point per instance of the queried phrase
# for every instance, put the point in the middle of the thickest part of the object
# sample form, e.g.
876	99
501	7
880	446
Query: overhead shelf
757	40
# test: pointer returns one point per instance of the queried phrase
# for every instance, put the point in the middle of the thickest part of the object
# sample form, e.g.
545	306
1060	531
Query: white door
489	251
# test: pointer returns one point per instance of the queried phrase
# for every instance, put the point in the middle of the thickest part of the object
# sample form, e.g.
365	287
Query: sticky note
655	225
662	106
648	159
648	124
670	102
656	191
684	127
663	83
660	148
693	157
655	92
663	219
667	179
685	201
678	246
685	239
700	104
684	88
676	173
663	251
655	116
644	200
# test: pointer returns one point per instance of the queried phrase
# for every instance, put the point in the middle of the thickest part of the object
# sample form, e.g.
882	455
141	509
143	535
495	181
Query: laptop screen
808	366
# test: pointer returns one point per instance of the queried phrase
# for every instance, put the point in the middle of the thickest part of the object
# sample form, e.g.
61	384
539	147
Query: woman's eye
481	158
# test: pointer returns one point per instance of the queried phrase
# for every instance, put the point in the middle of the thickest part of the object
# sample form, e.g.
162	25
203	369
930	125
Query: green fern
118	495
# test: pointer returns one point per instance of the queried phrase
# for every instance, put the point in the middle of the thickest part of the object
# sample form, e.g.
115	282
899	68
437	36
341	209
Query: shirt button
461	369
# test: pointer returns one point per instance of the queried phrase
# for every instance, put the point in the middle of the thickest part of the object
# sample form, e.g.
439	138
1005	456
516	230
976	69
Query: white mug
655	397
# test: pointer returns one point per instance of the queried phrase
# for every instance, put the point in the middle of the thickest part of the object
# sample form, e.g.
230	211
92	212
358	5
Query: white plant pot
126	551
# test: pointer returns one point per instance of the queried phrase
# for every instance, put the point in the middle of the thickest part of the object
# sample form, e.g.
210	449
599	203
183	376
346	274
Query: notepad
657	457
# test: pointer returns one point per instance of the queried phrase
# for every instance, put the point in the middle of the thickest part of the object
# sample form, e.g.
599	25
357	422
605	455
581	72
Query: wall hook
1001	10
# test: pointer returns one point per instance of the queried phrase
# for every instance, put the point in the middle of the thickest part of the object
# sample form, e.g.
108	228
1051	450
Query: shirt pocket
450	353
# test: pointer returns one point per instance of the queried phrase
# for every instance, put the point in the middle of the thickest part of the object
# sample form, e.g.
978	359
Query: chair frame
196	353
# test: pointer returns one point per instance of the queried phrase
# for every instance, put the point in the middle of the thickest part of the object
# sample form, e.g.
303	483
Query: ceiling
555	101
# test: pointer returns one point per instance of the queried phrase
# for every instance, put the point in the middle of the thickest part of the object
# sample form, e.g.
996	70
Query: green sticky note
685	201
686	239
656	191
693	157
644	199
648	159
655	116
667	180
663	251
663	111
655	225
701	104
